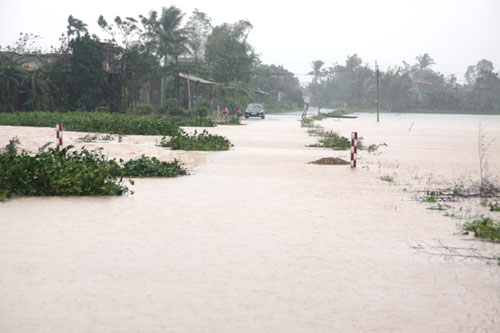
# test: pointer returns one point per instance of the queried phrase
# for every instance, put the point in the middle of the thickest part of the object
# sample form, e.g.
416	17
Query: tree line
90	73
405	87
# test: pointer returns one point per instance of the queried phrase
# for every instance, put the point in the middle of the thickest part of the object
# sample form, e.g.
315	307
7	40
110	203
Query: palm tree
168	39
166	32
317	73
424	62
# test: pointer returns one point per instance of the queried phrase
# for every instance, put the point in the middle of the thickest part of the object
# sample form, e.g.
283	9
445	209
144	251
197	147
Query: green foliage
203	109
73	173
104	122
57	173
334	140
271	78
282	106
484	228
88	79
152	167
144	110
202	141
232	120
431	197
387	179
406	87
228	53
173	107
12	79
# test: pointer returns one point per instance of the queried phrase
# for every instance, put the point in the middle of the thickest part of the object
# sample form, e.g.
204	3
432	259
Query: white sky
456	33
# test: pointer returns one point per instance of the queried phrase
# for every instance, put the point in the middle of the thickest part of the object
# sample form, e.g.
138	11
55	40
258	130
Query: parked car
255	110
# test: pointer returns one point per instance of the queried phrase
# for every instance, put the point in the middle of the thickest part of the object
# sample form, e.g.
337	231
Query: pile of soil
330	161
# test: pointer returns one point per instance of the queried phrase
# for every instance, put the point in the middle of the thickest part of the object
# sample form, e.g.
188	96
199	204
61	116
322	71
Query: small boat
333	115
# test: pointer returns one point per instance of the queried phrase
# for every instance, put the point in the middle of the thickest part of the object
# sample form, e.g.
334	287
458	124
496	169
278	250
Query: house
418	93
31	61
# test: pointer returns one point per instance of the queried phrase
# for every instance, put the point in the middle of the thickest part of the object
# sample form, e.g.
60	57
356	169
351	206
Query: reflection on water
256	237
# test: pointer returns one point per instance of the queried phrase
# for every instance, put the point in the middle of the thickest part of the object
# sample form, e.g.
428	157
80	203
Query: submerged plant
484	228
202	141
152	167
73	173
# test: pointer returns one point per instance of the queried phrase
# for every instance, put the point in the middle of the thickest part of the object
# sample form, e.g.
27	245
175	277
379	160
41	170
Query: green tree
199	27
317	72
88	79
12	77
228	53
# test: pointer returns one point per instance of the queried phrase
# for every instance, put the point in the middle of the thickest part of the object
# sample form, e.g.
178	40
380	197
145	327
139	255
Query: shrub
202	141
144	110
203	109
334	140
77	173
54	172
484	228
152	167
172	106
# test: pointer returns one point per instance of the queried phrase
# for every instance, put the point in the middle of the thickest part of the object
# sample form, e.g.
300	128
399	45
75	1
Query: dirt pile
330	161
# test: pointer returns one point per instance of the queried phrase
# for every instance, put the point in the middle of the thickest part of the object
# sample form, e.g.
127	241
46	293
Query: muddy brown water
257	239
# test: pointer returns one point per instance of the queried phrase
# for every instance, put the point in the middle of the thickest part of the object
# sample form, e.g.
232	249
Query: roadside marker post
354	148
59	137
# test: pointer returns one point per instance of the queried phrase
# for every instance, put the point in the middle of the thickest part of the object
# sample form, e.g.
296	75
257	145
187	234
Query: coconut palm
166	33
317	73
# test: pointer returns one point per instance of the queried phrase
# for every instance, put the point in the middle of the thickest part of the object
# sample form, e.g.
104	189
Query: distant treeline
113	75
405	87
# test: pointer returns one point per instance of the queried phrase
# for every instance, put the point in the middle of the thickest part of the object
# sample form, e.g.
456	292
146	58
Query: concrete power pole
378	94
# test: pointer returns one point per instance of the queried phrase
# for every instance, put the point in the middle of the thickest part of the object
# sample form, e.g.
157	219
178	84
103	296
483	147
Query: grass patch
431	197
202	141
387	179
484	228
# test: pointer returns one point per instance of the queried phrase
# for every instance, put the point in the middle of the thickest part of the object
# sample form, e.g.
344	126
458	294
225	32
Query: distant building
419	94
31	61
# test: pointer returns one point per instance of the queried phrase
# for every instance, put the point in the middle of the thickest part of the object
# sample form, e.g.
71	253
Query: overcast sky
456	33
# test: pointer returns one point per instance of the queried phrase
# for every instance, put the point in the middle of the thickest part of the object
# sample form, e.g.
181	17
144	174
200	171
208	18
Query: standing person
238	111
225	113
319	108
218	113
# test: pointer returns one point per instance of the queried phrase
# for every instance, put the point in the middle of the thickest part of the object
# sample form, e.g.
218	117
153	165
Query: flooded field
256	239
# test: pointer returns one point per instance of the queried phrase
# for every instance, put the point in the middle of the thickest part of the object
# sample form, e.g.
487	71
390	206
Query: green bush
76	173
152	167
144	110
57	173
172	107
202	141
484	228
334	140
203	109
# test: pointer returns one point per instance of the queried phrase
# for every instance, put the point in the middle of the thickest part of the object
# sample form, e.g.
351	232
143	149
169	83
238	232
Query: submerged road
256	239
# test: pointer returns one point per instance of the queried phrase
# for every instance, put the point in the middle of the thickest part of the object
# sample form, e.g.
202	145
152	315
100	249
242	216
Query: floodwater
256	239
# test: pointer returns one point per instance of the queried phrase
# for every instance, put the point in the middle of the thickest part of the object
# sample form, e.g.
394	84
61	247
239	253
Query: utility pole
378	94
